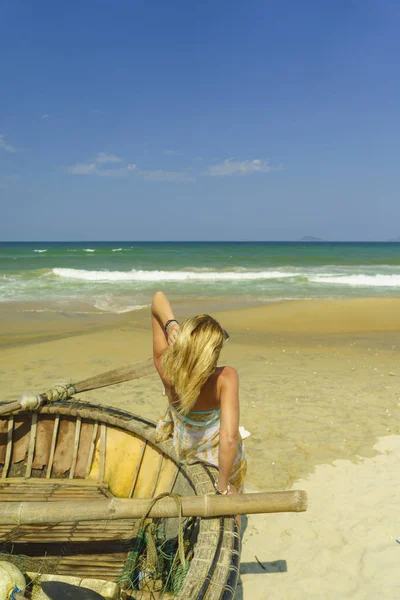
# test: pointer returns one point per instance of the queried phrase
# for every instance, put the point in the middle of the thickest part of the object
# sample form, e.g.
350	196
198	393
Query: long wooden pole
72	511
135	371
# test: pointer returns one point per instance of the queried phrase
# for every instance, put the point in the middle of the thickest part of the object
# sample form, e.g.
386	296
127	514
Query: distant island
311	238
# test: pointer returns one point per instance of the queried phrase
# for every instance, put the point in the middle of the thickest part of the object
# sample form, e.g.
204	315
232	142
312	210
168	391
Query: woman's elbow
156	297
229	440
159	294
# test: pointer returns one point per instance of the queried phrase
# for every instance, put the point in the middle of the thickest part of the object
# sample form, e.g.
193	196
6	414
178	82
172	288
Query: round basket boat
82	452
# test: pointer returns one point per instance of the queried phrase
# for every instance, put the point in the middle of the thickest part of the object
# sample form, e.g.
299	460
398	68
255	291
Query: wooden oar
135	371
72	511
66	391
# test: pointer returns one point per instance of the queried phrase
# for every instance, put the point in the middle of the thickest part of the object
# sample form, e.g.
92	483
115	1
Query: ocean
122	276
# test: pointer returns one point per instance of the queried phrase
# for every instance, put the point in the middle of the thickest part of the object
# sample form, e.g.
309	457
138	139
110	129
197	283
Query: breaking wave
137	275
354	280
358	280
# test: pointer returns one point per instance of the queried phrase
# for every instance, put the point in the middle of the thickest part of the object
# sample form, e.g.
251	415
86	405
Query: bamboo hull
87	453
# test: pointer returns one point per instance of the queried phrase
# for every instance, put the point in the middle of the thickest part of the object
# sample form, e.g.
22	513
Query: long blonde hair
193	357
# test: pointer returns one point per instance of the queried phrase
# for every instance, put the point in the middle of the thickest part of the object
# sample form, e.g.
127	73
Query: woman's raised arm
162	315
229	431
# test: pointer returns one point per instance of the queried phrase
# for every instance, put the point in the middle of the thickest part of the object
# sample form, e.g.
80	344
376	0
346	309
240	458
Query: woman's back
209	396
197	432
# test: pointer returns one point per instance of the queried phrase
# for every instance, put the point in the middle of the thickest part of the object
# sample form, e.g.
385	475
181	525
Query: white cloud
161	175
103	158
6	147
97	167
170	152
83	169
122	172
92	169
45	116
245	167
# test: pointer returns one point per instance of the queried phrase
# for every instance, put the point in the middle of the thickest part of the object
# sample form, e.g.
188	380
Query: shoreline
34	322
23	323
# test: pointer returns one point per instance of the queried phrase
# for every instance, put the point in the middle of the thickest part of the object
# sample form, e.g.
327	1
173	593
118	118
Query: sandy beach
320	395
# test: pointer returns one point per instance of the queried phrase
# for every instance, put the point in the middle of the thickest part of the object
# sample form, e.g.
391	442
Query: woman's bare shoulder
228	376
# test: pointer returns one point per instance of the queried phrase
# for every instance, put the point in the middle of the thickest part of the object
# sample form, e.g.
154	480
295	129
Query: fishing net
157	563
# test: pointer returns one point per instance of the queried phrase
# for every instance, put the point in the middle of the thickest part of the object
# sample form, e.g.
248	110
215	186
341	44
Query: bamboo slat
92	448
139	464
59	535
53	490
53	447
10	429
157	475
15	481
103	440
76	446
32	441
173	479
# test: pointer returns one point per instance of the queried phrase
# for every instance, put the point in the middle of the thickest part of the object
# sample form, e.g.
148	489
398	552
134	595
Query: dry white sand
343	547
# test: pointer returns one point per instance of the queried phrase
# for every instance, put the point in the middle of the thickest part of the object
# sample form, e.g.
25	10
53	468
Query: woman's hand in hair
173	331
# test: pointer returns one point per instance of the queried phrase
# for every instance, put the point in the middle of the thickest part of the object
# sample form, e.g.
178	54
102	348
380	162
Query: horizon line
302	241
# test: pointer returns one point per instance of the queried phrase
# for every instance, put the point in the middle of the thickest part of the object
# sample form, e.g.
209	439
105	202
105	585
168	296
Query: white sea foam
116	250
40	251
82	274
201	274
358	280
108	304
89	250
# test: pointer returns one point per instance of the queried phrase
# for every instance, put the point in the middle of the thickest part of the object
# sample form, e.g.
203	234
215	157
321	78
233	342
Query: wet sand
319	385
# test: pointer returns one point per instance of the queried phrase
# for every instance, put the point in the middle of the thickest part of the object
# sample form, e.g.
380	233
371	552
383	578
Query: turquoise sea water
122	276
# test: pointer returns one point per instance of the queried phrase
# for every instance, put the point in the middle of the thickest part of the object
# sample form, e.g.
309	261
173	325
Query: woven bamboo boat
69	450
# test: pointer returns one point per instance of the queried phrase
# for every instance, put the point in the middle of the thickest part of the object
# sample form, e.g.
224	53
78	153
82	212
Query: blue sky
213	120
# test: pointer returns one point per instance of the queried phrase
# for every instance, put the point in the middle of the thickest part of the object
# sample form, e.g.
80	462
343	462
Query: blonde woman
203	410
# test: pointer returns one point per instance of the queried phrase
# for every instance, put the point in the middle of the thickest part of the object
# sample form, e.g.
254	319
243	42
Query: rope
61	391
177	498
147	563
30	402
179	578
